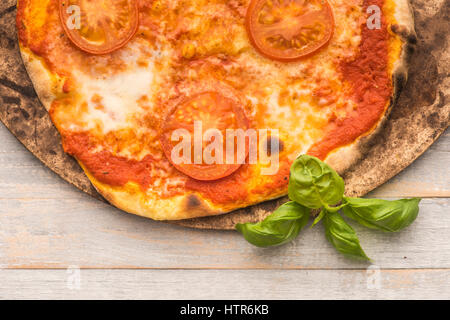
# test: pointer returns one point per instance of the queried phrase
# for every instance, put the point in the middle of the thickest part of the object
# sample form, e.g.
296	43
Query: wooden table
56	242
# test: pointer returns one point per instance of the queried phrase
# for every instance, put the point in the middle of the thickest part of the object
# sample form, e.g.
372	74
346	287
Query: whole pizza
178	109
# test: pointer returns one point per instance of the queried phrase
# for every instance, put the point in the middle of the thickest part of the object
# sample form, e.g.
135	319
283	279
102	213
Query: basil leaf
314	184
279	228
342	236
389	216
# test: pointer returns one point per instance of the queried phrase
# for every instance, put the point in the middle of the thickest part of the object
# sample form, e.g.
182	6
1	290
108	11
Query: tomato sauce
371	88
117	171
231	189
106	167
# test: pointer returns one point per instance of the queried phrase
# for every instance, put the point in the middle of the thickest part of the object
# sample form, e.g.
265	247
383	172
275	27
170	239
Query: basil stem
319	218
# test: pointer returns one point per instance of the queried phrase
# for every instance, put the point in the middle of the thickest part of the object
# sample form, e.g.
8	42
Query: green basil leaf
314	184
389	216
279	228
342	236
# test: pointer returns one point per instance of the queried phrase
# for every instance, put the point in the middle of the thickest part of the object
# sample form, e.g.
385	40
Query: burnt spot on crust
193	202
7	10
405	33
195	207
273	144
11	100
410	38
410	48
400	79
5	41
400	76
433	120
27	91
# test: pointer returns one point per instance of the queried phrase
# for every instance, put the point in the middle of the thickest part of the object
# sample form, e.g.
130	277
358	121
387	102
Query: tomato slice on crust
99	26
288	30
212	111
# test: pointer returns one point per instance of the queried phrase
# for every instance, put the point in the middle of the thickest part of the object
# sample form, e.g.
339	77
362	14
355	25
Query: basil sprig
314	185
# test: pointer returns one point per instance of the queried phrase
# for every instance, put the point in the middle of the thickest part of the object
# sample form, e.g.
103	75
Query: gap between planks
45	268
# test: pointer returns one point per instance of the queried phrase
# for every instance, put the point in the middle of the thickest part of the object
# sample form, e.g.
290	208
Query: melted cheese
118	97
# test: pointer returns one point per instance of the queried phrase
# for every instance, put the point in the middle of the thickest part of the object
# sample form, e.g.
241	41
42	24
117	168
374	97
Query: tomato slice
99	26
213	111
288	30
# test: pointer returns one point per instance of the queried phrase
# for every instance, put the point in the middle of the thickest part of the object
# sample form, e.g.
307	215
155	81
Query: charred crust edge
195	206
399	80
193	202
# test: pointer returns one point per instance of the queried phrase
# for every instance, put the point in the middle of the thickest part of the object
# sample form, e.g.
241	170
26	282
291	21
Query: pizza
177	109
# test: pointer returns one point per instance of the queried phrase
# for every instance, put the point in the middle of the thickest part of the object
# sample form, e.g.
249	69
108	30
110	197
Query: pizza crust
187	206
193	205
44	83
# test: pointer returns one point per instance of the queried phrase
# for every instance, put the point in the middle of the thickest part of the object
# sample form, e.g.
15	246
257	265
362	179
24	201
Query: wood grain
226	284
416	122
56	233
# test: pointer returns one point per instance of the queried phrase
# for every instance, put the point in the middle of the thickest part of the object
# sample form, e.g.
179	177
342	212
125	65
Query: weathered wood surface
56	233
226	284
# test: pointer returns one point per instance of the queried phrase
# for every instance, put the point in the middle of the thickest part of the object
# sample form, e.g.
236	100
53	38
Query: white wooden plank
57	233
225	284
30	182
23	176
